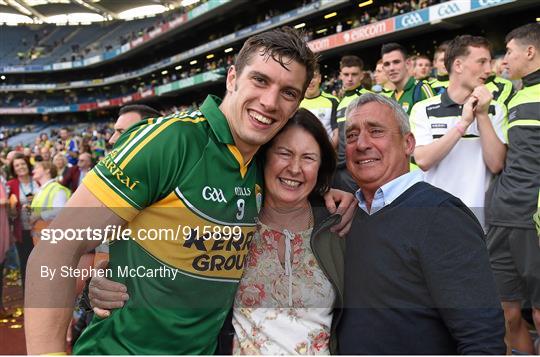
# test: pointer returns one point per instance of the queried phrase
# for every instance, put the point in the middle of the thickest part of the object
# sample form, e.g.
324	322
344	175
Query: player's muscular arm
49	302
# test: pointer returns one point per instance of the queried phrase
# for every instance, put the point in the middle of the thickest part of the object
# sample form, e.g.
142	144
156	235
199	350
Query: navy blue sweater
418	280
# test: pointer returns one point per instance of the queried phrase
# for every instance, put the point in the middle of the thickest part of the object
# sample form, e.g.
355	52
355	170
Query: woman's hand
105	294
343	203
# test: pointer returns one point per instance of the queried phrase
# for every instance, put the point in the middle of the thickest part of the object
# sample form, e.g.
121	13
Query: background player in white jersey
459	134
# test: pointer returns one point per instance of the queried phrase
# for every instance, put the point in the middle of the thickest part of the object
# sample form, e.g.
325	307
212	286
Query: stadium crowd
340	24
472	139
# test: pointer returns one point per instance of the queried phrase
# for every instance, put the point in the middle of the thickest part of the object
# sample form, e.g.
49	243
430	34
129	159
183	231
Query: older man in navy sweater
417	274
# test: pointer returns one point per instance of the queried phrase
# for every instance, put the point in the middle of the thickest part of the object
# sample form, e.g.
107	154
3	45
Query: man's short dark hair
143	110
278	44
423	57
393	46
317	68
528	35
351	61
459	46
310	123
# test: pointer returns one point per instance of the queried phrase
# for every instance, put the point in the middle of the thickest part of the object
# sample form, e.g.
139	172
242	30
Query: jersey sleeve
420	125
142	168
427	91
500	121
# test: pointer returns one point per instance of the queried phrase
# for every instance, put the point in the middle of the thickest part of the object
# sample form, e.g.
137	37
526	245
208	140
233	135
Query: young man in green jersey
189	170
397	66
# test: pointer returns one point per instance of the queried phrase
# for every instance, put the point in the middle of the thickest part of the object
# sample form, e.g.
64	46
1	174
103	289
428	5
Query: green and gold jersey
182	179
413	92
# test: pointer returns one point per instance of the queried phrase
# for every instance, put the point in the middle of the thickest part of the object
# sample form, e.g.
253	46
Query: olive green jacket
329	250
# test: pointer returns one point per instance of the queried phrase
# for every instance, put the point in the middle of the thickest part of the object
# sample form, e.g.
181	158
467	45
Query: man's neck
532	68
458	93
369	192
247	151
401	85
368	196
44	181
353	88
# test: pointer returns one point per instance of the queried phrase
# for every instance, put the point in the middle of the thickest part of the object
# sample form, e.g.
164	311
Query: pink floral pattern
263	321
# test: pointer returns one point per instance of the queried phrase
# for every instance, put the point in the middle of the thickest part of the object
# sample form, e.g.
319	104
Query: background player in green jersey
397	66
264	89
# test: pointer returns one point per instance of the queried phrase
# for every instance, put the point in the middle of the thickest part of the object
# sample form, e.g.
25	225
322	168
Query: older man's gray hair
400	115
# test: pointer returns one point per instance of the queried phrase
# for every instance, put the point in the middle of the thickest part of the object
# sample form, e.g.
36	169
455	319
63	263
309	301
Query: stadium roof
13	12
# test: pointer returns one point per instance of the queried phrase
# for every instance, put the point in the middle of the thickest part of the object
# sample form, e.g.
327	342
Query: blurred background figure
22	190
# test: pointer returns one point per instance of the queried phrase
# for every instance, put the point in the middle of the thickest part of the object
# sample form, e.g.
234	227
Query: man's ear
231	79
530	52
410	143
409	64
457	66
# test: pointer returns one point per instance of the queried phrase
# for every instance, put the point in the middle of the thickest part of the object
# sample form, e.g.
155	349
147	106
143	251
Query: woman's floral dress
282	309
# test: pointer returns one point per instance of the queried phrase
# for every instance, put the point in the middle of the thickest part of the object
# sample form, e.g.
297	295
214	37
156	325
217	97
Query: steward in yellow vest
51	197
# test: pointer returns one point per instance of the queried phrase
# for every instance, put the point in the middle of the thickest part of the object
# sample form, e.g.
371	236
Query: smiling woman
283	271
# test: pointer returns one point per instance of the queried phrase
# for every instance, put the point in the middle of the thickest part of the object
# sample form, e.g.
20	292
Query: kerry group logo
412	19
477	4
213	194
449	9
